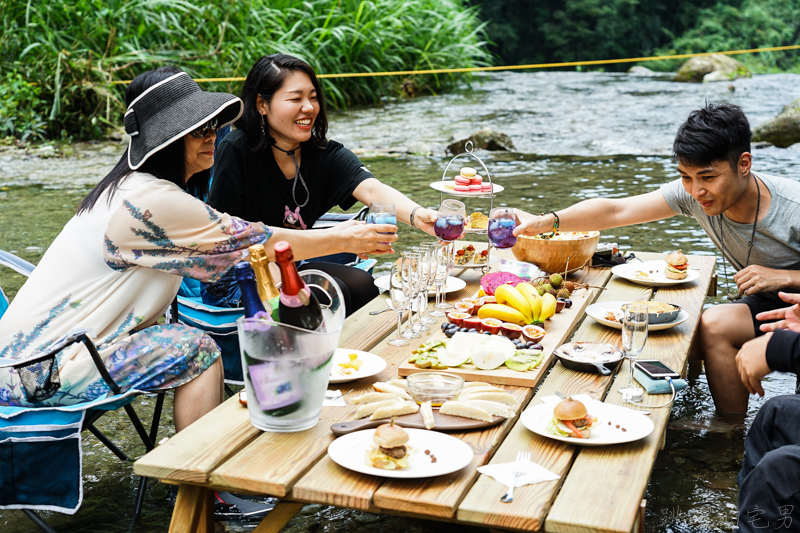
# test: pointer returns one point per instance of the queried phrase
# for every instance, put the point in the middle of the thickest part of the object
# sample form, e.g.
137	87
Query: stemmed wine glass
409	275
446	256
381	213
634	336
424	281
502	222
450	220
440	261
398	298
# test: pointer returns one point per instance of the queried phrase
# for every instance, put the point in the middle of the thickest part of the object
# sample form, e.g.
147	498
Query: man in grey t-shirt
718	189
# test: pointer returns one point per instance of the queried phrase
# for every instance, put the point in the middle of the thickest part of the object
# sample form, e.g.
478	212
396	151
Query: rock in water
716	67
783	130
419	147
639	70
485	139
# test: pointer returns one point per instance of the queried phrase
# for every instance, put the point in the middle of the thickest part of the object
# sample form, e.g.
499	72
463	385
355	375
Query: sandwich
388	450
677	265
570	419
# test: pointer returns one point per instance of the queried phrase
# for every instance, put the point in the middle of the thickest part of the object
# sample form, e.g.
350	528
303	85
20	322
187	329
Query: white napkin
504	473
334	398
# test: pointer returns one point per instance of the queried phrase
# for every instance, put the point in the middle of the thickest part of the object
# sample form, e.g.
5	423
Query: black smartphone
655	369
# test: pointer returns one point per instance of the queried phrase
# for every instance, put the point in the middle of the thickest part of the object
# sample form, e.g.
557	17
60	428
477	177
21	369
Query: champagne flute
424	279
398	301
418	279
381	213
447	254
408	274
440	273
450	220
502	222
634	336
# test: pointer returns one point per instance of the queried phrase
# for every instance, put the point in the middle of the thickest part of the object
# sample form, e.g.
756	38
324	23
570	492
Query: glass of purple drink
450	220
502	222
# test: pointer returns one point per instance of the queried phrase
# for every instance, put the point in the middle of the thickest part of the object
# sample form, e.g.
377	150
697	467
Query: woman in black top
278	168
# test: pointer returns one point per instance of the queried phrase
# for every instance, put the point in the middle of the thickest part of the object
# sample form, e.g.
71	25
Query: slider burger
389	450
570	419
677	265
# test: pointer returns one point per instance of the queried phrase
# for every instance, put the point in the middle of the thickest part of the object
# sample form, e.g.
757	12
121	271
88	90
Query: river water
577	136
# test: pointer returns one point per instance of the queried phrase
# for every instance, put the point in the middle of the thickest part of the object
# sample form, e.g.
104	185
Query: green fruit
555	280
519	366
547	287
540	290
562	293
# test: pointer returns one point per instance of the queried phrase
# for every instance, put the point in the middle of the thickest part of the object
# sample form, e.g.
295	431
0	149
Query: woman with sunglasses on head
117	264
279	168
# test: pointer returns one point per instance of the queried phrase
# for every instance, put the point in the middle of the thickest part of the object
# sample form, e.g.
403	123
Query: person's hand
787	317
424	219
528	224
365	239
757	278
751	361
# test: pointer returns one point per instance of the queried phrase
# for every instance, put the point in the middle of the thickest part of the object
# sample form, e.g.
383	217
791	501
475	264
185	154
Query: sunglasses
205	129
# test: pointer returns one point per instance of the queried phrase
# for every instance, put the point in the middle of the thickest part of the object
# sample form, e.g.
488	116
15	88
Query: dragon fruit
490	282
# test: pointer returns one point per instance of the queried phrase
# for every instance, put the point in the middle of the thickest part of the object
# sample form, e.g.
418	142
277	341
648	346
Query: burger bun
390	436
569	409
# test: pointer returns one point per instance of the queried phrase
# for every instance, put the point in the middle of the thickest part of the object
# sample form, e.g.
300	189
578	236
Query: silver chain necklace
734	294
297	175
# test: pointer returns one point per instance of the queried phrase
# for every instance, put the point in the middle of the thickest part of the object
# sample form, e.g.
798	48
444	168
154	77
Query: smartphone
655	369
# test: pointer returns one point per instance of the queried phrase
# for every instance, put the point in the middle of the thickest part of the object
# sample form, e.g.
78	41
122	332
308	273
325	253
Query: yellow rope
518	67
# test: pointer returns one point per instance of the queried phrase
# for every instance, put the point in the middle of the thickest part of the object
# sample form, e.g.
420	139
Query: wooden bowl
551	255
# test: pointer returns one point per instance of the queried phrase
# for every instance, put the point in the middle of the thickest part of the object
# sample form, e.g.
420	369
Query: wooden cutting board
414	421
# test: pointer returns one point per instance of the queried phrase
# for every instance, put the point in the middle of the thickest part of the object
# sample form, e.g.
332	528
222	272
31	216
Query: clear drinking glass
418	280
381	213
502	222
450	220
410	264
446	257
440	272
634	337
424	281
398	301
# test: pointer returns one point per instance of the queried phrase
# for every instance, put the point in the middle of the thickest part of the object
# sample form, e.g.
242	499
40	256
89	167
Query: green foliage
754	24
75	49
20	108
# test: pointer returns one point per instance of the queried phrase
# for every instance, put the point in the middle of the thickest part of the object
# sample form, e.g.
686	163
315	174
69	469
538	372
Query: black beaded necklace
734	294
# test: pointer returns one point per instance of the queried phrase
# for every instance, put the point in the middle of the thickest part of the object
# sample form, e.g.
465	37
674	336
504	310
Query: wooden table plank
625	469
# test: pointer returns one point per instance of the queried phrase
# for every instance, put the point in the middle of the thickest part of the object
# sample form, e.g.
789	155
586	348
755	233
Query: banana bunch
520	305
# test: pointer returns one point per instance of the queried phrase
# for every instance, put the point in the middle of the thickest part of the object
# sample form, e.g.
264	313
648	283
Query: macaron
461	188
477	179
475	188
486	187
468	172
461	180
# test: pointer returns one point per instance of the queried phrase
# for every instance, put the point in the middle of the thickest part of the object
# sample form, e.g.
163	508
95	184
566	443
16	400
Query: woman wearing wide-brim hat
118	263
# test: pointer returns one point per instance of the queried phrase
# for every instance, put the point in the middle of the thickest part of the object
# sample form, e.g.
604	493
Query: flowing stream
577	136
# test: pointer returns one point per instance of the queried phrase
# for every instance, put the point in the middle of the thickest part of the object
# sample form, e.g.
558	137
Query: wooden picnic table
600	488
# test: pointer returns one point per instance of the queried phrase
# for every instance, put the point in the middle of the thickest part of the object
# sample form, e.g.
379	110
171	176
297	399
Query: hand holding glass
381	213
450	220
502	222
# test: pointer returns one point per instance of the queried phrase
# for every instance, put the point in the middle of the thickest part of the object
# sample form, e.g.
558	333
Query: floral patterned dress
114	271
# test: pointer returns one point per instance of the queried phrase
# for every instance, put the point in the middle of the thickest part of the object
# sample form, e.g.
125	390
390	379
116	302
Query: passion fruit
512	331
457	318
560	304
473	322
463	307
492	325
533	333
488	299
477	303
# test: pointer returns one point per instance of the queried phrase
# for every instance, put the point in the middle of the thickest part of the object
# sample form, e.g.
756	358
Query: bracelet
411	216
556	222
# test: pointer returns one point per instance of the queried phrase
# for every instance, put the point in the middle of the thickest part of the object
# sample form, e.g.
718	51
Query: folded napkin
504	473
657	386
523	270
334	398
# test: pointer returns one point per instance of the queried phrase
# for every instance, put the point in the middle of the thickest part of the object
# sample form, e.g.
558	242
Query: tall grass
74	50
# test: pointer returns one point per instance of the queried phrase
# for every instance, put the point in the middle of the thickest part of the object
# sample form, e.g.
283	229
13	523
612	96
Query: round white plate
372	365
447	188
599	311
492	260
638	426
349	451
651	273
451	285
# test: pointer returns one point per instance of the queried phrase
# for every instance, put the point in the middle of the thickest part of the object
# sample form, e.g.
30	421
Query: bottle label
276	384
300	299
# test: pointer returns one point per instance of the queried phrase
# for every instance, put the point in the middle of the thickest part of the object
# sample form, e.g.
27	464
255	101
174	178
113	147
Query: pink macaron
475	188
461	180
486	187
477	179
461	188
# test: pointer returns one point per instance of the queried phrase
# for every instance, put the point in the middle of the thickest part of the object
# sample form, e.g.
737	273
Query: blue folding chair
40	447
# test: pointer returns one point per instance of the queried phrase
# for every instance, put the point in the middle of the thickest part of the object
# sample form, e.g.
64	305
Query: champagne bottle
245	277
298	306
266	285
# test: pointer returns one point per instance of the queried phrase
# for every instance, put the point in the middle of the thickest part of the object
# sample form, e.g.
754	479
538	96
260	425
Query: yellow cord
515	67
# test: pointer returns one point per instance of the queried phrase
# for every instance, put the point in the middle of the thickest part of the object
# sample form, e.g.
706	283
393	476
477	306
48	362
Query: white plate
372	365
451	285
641	273
638	426
447	188
599	311
451	454
492	260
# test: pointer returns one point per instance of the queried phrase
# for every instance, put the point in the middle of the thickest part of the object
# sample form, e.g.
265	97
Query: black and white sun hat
169	110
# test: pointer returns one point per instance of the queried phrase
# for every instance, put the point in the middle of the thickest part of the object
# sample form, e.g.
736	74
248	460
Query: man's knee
730	324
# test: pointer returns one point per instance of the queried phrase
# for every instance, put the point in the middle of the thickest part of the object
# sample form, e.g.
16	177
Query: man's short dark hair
717	132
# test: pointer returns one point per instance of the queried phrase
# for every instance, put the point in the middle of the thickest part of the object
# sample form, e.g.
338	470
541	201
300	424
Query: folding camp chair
31	436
